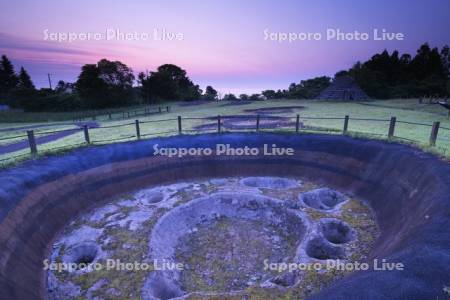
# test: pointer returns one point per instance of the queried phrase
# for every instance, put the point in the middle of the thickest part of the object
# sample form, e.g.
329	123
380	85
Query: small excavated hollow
322	199
320	249
337	232
81	254
155	197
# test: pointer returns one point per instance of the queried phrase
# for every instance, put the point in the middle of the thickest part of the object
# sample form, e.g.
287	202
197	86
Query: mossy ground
224	256
206	270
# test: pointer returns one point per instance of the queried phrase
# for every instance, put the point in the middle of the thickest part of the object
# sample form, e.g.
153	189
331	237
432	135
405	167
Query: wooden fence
297	127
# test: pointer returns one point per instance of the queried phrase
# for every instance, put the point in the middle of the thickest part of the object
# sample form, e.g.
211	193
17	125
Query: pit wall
407	189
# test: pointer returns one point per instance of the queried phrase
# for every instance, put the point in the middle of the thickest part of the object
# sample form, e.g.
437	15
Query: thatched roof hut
343	88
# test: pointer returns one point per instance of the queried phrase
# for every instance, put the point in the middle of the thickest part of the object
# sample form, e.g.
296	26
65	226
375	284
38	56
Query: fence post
86	134
219	124
392	127
257	122
434	133
167	108
346	124
138	130
32	143
179	124
109	116
159	108
297	124
128	114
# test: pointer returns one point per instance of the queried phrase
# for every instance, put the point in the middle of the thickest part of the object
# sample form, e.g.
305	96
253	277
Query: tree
24	81
229	97
64	87
445	55
24	94
105	84
243	97
8	78
210	93
393	75
255	97
169	82
308	89
269	94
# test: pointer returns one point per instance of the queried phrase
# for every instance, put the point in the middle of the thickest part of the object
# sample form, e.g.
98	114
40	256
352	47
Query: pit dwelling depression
221	226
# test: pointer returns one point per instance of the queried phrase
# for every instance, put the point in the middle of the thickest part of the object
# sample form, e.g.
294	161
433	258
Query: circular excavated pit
336	231
320	249
224	232
323	198
82	254
223	240
275	109
406	189
244	122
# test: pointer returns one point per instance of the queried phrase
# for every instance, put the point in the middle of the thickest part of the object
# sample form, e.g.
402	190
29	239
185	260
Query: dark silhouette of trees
169	83
310	88
65	87
230	97
210	93
105	84
306	89
110	83
16	90
243	97
269	94
387	75
8	78
24	94
254	97
24	81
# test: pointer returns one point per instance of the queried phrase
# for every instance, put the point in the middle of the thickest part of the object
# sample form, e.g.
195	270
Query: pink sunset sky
223	42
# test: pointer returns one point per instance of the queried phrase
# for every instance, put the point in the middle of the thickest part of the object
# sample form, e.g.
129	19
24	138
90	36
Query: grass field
409	111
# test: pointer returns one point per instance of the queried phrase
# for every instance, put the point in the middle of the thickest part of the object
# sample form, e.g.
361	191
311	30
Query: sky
235	46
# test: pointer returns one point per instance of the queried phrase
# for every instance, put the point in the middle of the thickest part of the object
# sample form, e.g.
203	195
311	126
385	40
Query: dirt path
32	127
45	139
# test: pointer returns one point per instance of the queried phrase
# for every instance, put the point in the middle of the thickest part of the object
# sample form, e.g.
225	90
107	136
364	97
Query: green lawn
405	111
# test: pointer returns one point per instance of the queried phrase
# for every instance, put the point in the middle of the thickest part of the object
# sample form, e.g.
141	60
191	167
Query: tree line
393	75
386	76
106	84
109	84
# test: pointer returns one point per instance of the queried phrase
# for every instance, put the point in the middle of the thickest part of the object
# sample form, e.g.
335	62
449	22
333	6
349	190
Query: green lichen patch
229	254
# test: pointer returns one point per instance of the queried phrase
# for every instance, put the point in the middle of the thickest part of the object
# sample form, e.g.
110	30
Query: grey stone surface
269	182
323	198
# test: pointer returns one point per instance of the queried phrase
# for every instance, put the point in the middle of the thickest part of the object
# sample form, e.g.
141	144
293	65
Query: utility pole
146	90
49	80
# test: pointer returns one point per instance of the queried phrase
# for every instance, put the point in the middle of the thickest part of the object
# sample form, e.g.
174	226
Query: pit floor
225	259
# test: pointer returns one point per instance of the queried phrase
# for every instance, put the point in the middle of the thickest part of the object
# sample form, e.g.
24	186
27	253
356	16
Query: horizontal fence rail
219	124
120	115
